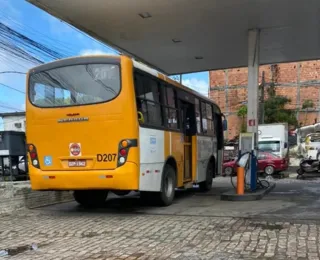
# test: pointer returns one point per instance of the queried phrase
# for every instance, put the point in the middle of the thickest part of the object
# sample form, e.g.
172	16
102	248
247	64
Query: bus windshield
269	146
75	85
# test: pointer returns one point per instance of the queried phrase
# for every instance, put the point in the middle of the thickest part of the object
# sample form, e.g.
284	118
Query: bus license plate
78	163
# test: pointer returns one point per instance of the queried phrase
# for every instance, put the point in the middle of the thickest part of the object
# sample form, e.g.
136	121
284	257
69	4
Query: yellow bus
109	123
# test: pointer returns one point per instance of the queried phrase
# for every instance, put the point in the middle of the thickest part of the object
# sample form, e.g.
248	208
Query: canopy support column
253	100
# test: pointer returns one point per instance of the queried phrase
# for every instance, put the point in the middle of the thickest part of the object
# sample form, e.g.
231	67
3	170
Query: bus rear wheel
168	186
90	198
166	196
207	184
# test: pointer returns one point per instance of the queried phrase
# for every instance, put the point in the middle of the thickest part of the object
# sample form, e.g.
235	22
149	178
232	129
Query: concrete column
227	101
298	90
253	101
253	81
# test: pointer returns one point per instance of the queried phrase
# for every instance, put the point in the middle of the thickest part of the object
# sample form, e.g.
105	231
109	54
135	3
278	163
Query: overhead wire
62	46
16	46
11	108
12	71
4	85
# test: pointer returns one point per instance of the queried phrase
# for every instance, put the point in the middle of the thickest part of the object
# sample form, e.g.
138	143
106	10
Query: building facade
15	121
299	81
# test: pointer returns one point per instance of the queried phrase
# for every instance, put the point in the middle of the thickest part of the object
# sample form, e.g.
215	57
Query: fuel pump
246	146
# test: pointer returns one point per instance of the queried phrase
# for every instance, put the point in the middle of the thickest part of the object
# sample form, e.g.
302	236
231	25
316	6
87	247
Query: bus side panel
207	146
151	159
177	152
194	157
219	162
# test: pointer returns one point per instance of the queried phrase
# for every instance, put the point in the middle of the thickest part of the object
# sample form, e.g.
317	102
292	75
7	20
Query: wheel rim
228	170
168	186
269	170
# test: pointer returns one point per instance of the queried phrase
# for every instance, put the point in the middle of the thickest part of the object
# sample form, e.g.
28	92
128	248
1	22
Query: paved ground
284	225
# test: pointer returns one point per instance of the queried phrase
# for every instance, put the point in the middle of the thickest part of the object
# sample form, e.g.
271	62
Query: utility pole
261	108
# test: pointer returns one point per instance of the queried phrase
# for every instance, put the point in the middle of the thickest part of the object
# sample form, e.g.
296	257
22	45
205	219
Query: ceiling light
198	57
176	40
145	15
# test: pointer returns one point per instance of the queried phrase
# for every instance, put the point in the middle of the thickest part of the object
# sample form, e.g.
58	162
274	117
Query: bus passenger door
188	121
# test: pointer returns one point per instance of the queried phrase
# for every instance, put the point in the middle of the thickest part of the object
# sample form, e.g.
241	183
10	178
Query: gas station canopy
182	36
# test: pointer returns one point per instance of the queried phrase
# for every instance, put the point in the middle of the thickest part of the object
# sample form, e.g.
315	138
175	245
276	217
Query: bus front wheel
90	198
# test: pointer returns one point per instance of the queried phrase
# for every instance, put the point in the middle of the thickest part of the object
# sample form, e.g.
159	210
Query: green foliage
275	111
242	112
271	90
307	104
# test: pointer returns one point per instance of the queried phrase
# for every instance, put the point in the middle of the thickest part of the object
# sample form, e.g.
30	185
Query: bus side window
141	103
171	109
198	117
152	94
204	117
210	120
142	111
148	99
219	130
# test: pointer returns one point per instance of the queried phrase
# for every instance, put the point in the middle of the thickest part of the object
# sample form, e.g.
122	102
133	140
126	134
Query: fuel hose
261	184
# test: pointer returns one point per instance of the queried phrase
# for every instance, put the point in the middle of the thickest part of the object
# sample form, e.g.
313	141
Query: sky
46	29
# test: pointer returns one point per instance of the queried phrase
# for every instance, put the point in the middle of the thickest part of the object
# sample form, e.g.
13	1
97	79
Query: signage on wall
251	122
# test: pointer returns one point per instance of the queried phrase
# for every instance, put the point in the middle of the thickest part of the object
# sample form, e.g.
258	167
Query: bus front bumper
125	177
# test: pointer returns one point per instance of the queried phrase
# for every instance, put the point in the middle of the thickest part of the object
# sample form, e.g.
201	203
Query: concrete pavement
283	225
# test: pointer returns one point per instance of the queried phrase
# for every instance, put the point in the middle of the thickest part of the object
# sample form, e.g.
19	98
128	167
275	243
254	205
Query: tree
307	104
275	111
242	113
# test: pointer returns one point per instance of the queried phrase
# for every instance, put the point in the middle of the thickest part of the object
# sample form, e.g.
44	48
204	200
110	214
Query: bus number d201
106	157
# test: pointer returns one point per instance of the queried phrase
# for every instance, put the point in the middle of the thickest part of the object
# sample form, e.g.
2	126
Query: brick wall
298	81
18	195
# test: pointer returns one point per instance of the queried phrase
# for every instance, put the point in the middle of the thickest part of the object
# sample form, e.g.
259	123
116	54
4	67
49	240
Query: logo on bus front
75	149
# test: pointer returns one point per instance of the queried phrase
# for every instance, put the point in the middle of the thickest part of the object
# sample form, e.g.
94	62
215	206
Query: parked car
268	163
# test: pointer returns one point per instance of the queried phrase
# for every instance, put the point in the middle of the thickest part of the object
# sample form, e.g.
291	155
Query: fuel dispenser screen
246	142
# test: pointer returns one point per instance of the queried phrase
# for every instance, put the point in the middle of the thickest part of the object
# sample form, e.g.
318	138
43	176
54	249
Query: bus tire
207	184
168	184
90	198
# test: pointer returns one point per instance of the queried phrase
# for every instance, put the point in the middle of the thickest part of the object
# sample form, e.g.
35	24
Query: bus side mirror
225	125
